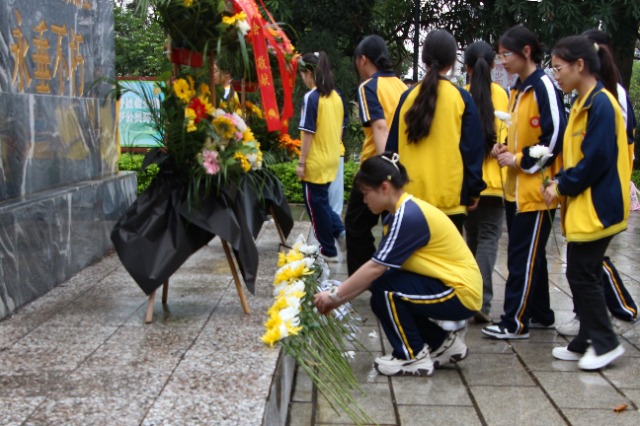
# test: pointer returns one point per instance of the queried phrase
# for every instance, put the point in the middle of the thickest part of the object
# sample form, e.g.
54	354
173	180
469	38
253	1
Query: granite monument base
47	237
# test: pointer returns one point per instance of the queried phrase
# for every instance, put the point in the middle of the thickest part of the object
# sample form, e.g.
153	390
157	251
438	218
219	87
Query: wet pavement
83	355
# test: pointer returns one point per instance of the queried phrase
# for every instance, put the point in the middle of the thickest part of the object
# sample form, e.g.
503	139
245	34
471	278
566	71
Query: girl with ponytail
422	271
619	301
483	226
321	123
378	96
594	193
436	130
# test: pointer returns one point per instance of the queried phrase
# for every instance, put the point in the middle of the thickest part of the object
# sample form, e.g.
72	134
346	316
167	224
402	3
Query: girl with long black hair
321	136
436	130
483	226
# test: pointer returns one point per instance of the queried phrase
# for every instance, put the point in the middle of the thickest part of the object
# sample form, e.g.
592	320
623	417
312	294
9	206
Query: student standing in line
594	191
538	118
321	135
436	130
483	226
422	271
378	96
620	303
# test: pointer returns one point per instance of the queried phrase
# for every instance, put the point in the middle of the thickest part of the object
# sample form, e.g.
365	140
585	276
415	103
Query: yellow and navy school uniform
377	100
492	174
596	169
595	185
323	116
537	118
432	271
378	97
619	300
445	168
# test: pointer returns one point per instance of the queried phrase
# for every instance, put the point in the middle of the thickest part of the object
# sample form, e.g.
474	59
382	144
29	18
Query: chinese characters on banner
48	55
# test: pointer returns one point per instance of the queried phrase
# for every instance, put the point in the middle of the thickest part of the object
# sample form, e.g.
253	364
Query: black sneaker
499	332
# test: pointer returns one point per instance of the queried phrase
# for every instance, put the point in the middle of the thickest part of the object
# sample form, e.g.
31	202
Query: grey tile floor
82	355
501	382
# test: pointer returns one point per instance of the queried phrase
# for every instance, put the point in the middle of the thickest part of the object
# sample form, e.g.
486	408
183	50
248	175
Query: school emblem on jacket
535	121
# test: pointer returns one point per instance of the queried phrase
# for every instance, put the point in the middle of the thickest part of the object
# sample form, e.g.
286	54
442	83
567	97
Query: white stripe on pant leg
532	246
395	326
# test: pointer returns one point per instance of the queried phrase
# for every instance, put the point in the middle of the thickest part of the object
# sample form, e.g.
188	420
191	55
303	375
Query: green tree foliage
139	44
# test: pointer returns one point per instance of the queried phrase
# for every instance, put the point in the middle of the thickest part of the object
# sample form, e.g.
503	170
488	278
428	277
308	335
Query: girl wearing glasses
484	225
538	118
443	152
594	189
619	301
320	126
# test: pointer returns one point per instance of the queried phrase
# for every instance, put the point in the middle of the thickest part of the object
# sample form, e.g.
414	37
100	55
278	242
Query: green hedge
635	178
286	172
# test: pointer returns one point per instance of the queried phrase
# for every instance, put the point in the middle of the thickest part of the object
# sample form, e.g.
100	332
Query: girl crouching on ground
422	270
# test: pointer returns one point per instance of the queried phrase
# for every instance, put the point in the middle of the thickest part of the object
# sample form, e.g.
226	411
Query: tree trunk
624	38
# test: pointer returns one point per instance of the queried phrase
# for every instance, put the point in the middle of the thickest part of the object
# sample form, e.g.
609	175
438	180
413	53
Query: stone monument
60	189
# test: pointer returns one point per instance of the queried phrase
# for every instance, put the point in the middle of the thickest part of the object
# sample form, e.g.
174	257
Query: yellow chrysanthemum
244	162
271	336
205	90
190	116
231	20
280	303
292	272
182	90
248	135
294	255
281	259
224	126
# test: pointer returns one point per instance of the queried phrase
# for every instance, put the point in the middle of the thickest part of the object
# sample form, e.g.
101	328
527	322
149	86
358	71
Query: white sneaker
570	328
564	354
342	242
591	361
421	365
452	350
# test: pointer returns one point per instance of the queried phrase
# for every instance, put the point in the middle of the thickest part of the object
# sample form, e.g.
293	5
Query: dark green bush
133	162
286	172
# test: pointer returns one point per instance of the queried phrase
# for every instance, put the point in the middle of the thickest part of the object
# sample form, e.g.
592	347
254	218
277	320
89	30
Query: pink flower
210	161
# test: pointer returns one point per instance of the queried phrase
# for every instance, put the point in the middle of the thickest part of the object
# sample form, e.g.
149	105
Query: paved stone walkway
501	382
82	355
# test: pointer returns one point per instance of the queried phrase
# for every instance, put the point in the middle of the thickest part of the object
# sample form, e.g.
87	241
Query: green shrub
133	162
635	178
286	172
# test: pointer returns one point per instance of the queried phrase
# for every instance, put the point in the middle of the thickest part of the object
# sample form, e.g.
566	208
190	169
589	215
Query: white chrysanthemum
503	116
308	250
239	122
540	151
243	26
290	315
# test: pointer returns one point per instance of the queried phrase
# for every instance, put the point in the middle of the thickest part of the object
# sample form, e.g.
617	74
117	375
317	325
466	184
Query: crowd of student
441	163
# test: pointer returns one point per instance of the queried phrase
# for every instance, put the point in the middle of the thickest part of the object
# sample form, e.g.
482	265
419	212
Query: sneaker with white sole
421	365
570	328
591	361
331	259
564	354
452	350
499	332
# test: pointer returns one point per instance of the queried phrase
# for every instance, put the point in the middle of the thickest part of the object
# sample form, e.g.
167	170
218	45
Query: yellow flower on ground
244	162
294	255
182	90
282	259
291	271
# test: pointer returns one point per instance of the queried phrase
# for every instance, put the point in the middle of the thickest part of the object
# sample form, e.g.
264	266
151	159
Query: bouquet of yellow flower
206	146
315	341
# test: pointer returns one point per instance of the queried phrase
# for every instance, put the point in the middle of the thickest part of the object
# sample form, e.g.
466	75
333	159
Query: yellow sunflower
244	162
